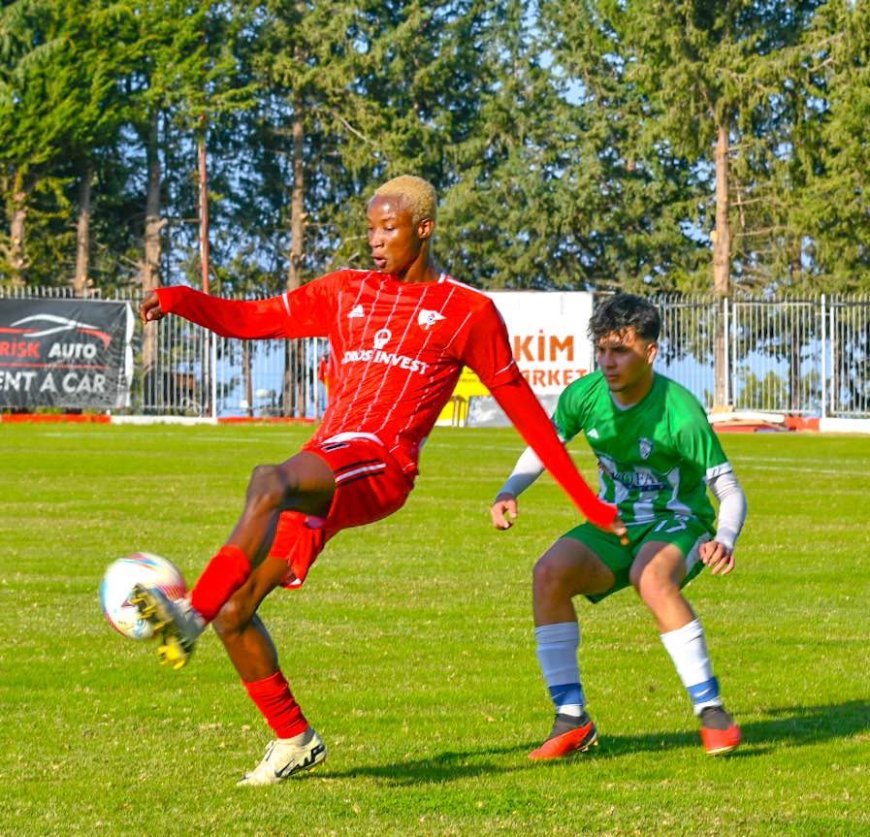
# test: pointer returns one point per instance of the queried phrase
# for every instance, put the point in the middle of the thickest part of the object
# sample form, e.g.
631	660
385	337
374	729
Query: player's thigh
309	484
610	553
369	483
572	567
669	553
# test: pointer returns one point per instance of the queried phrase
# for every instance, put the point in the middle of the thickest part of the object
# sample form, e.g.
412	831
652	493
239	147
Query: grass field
411	650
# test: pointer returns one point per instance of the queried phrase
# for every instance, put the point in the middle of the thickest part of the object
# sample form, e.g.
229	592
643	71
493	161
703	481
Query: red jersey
398	349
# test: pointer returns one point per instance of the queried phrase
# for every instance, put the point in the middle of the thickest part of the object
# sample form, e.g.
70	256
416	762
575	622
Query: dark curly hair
623	311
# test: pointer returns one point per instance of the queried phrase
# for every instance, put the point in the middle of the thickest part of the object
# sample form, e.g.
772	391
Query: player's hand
618	529
150	310
717	557
504	511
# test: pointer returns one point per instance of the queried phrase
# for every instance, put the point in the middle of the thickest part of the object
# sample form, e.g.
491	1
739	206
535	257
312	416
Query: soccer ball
117	585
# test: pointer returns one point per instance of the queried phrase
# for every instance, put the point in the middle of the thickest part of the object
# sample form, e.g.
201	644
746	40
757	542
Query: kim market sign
73	354
548	336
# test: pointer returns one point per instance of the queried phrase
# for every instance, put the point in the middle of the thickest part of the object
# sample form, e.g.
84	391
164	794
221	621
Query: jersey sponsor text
385	358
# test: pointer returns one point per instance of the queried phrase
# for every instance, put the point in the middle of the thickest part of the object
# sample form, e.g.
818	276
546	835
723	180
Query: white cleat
286	756
177	625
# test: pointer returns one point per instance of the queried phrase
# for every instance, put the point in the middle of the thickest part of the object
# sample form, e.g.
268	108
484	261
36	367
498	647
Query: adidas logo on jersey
592	434
427	318
356	311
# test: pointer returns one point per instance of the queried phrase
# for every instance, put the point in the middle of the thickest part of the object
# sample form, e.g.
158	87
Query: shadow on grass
792	726
789	726
444	767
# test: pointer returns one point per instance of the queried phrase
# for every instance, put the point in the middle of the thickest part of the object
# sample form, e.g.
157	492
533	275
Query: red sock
225	573
275	700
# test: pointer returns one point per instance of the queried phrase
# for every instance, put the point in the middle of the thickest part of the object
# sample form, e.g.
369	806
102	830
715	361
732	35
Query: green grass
411	649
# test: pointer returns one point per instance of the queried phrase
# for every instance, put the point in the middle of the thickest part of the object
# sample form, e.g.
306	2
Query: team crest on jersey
427	318
382	337
356	311
646	448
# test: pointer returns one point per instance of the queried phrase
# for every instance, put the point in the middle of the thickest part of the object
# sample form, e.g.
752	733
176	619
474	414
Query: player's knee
651	584
267	487
232	619
548	576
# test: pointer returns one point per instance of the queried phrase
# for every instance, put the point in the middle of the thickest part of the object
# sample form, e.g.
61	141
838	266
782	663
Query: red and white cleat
719	733
569	735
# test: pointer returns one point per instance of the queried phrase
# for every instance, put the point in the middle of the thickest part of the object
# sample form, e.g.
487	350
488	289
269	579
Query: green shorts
684	532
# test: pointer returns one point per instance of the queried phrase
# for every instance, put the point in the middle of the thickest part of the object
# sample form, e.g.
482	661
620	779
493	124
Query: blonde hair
417	194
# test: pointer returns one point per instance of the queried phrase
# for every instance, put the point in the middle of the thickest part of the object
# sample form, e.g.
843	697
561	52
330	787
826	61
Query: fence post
824	354
213	403
727	389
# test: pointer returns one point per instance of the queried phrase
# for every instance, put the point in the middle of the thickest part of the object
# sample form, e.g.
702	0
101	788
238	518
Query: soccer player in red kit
399	336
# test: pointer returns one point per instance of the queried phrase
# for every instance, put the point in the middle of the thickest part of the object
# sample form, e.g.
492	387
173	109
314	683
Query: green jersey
655	457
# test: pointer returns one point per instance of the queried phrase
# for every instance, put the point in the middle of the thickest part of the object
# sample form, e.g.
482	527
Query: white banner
547	331
548	335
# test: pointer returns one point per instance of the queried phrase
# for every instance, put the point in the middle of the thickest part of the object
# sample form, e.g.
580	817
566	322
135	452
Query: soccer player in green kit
657	456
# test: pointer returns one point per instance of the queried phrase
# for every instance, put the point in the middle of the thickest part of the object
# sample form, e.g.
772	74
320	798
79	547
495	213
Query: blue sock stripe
704	692
567	693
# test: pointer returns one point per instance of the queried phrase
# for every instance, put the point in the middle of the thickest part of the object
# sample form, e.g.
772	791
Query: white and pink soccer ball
117	585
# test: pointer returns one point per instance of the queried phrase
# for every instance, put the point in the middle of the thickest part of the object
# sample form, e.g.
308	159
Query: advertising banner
548	335
550	344
68	353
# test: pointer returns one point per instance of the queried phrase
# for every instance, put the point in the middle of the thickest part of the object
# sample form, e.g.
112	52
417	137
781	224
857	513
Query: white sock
688	649
557	647
299	740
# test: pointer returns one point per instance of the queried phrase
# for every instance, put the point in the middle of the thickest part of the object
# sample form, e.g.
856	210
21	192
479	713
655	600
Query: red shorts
369	485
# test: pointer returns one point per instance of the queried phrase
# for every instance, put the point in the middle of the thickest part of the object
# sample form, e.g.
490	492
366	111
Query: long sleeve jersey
398	350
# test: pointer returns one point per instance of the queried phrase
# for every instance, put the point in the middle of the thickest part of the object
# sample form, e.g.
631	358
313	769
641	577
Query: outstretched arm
528	416
228	317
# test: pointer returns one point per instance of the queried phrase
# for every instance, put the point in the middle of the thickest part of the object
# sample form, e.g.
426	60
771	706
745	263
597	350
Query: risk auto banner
68	353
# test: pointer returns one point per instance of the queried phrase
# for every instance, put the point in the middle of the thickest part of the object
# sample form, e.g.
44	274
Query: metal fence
804	356
183	369
197	373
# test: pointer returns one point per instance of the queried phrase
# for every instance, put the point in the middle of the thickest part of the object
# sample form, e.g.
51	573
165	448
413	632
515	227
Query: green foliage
411	649
571	142
55	93
835	214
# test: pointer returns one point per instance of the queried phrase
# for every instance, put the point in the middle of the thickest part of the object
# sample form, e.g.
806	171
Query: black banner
65	353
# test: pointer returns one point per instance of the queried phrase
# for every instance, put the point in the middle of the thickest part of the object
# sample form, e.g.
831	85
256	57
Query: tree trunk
297	200
153	222
17	257
150	266
721	269
204	258
294	389
81	281
204	249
